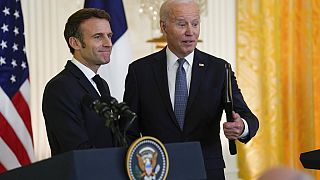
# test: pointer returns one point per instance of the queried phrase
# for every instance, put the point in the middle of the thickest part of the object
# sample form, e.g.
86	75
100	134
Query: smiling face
182	28
96	45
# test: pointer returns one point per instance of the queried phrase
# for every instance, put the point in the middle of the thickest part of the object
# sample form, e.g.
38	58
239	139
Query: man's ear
163	27
74	43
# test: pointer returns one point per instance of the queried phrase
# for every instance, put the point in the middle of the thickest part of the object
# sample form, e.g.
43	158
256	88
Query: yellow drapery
278	69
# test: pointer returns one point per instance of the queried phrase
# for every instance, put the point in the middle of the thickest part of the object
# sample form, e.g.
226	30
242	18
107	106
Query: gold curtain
278	69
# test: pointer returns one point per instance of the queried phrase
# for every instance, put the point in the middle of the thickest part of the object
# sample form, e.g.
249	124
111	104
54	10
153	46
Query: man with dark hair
69	122
178	93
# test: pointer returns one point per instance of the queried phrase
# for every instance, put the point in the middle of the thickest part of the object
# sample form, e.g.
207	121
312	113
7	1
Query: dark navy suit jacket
70	123
147	93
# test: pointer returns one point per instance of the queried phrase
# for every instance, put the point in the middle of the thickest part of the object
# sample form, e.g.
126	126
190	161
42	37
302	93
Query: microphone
109	109
101	108
120	108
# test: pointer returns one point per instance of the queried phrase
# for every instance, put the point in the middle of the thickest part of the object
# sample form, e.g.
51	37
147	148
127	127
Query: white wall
48	52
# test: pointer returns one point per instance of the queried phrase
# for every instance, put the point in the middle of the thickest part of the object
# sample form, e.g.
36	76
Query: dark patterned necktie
181	93
99	82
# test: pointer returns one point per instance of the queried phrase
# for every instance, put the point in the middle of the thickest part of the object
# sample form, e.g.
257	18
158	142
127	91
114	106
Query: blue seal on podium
147	159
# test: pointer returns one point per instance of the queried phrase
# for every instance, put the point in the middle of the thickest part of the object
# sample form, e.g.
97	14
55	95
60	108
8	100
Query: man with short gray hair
178	93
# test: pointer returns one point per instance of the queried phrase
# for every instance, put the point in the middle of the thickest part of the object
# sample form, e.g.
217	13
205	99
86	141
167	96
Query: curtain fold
278	71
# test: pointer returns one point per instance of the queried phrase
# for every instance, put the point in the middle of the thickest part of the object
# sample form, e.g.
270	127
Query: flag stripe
7	158
13	142
11	115
23	110
25	91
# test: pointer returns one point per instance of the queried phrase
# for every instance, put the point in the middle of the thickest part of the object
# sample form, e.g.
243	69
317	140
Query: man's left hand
233	130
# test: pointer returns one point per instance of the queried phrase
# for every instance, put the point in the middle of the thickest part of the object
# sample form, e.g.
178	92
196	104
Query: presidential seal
147	159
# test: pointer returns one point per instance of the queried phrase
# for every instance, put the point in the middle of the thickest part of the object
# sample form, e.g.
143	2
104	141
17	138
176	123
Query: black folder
311	159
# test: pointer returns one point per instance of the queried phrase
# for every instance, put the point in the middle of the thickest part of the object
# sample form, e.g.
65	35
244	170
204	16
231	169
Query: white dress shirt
87	72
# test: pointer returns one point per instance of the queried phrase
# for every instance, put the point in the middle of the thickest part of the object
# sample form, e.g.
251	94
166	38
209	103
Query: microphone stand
112	122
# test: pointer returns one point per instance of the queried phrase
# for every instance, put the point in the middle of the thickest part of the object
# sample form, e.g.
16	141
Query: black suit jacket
146	92
70	123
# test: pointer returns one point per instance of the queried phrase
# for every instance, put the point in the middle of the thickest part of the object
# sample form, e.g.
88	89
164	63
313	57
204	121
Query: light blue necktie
181	93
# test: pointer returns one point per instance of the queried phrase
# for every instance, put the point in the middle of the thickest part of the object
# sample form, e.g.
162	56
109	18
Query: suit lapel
198	75
159	67
84	82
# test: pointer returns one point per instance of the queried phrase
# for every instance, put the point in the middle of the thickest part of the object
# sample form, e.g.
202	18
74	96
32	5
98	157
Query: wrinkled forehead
189	11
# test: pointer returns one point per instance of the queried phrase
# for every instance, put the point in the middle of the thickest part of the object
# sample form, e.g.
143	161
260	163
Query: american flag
16	143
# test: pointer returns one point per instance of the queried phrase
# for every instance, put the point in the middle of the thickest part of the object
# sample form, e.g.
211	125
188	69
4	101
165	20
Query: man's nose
107	42
189	30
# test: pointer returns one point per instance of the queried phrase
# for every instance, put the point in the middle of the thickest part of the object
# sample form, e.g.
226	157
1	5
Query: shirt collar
172	58
86	71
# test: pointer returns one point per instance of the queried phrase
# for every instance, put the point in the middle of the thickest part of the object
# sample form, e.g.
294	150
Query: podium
311	159
185	162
